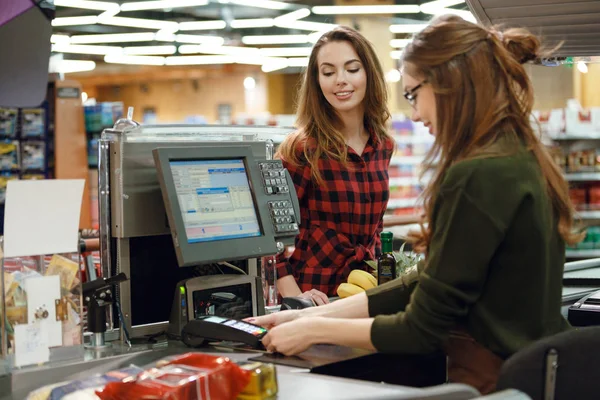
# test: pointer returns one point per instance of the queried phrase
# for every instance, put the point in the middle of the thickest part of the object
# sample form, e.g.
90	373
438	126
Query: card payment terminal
212	328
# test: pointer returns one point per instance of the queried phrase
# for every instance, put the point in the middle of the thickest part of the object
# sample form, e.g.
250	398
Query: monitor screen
215	199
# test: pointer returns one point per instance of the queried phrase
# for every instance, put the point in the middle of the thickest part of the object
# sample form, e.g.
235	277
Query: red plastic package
190	376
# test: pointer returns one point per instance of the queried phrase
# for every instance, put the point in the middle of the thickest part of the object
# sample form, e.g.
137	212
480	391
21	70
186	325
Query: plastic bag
189	376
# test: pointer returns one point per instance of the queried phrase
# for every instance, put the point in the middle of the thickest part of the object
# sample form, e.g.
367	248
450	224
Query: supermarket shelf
405	181
414	139
583	253
574	137
588	214
406	160
583	176
402	203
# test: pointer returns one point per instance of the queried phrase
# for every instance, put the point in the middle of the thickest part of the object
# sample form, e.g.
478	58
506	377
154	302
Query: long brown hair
484	98
317	121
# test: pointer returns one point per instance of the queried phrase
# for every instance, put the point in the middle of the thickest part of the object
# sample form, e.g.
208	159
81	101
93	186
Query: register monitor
223	204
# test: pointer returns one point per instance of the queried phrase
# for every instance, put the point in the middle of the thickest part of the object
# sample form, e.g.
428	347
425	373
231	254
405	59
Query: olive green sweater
494	265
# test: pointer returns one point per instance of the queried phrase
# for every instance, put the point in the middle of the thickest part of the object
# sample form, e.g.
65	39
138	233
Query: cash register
223	204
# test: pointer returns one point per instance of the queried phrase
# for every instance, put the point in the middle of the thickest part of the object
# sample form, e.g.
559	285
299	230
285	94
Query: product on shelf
8	121
33	155
33	122
4	178
9	155
584	122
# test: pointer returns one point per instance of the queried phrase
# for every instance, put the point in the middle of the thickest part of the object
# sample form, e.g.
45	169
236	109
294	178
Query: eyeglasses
411	95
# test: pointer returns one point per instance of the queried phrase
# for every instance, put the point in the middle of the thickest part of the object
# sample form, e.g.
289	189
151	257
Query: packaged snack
8	122
33	155
188	376
67	269
4	178
9	155
33	122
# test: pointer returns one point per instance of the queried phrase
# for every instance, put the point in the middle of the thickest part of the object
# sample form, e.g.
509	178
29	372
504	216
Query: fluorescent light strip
298	62
198	39
71	21
252	23
150	50
400	43
286	51
275	39
70	66
86	49
407	28
305	25
60	39
113	38
464	14
294	15
379	9
202	25
442	3
134	60
161	4
139	23
222	50
396	54
274	66
87	5
271	5
199	60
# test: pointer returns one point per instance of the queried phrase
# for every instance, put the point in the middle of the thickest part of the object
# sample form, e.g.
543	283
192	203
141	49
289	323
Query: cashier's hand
275	319
318	297
291	338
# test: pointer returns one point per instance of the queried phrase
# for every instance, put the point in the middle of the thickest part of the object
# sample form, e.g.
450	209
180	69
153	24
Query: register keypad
274	177
283	217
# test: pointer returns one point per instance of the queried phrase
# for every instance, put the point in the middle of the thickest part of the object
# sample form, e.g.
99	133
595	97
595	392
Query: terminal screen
215	200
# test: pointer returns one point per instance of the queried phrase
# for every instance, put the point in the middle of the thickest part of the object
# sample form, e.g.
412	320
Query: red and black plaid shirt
341	219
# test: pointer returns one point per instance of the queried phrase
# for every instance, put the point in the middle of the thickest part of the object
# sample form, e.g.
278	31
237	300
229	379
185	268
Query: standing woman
338	160
499	216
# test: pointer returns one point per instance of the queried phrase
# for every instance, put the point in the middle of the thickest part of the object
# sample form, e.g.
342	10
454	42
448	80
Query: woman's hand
293	337
318	297
275	319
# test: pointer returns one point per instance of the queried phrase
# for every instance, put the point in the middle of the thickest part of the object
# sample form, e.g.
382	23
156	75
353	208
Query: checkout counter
191	219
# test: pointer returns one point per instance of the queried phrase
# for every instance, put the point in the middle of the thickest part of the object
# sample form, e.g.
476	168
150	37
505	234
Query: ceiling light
396	54
294	15
161	4
223	50
286	52
150	50
87	5
202	25
407	28
440	4
379	9
305	25
70	66
134	60
582	67
274	65
464	14
86	49
275	39
199	39
313	37
298	61
60	39
70	21
199	60
165	35
249	83
113	38
272	5
393	76
400	43
139	23
252	23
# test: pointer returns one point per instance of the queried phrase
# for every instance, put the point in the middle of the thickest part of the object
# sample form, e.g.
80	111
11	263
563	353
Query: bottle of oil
386	263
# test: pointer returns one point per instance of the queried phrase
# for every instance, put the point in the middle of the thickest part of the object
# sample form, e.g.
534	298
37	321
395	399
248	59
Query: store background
198	61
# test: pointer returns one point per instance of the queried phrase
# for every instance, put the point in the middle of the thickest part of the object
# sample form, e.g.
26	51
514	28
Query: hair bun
522	44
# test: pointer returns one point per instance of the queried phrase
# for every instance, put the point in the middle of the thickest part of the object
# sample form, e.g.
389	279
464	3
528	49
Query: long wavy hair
484	100
319	125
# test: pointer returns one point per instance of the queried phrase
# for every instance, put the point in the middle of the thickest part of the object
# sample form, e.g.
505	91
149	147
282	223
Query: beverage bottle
386	263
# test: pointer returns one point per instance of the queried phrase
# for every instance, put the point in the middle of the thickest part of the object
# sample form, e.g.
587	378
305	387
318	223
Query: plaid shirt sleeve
340	219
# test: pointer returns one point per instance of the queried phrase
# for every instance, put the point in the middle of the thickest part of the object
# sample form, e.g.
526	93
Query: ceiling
178	41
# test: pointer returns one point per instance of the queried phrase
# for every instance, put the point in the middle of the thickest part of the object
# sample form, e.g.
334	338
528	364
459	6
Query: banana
362	278
348	289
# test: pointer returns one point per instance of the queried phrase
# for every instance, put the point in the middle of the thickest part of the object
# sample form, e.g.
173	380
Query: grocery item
362	279
348	289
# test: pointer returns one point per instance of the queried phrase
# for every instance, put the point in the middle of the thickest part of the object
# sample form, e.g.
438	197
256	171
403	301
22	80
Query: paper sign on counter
42	216
41	293
31	344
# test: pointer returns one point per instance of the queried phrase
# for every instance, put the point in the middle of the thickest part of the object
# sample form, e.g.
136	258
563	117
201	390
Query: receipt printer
586	311
226	296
